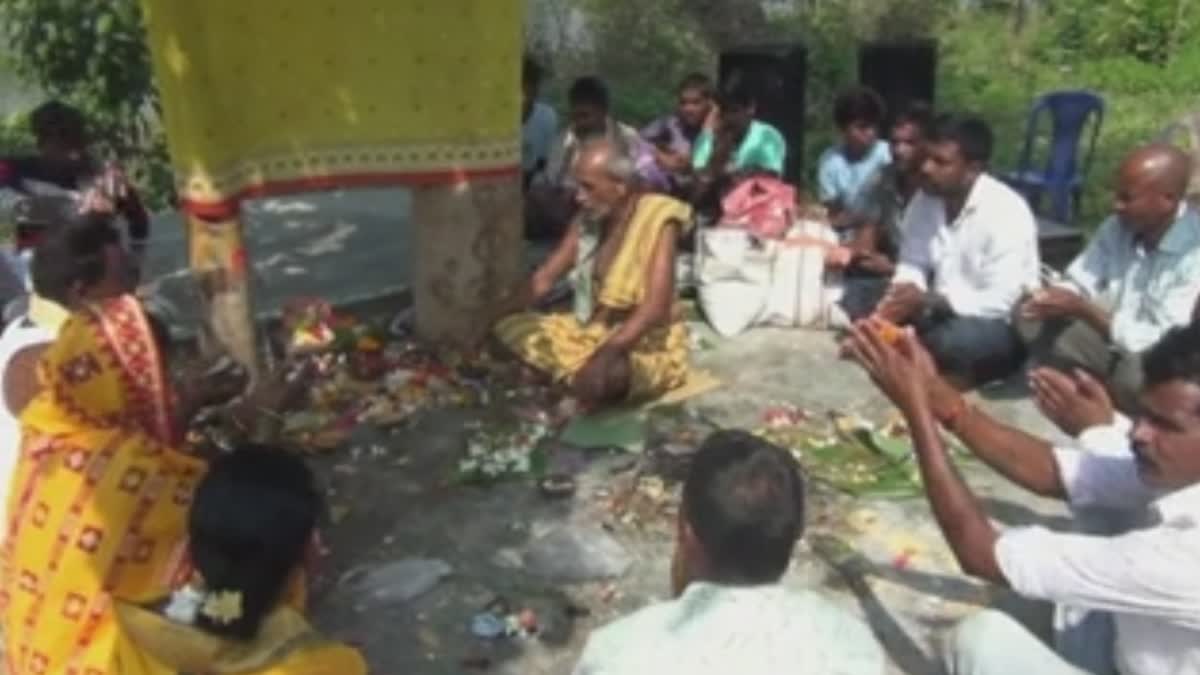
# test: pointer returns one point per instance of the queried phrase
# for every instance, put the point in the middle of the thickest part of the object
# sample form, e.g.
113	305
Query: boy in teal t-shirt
733	143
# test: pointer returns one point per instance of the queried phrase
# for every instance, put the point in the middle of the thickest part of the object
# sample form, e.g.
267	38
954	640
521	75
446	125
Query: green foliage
1148	30
989	68
93	54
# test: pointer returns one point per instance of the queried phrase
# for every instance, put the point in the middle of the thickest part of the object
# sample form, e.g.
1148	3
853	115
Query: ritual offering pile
365	377
847	452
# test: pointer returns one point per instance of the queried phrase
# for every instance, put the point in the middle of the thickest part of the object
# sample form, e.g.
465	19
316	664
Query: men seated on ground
250	532
969	252
741	513
1144	577
1138	277
625	337
871	224
539	123
673	136
859	153
64	166
733	144
550	203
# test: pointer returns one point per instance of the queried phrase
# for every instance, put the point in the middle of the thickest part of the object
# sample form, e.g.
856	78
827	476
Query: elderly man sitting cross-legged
1145	577
1138	277
741	514
626	337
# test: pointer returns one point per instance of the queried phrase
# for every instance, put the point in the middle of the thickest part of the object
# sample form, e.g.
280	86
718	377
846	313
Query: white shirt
17	336
720	630
537	135
1148	292
1149	578
983	260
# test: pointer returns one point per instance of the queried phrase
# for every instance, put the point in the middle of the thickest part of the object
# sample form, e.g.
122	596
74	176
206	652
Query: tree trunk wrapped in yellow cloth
278	96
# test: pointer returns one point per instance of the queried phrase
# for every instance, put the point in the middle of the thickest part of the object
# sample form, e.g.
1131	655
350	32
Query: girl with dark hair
249	530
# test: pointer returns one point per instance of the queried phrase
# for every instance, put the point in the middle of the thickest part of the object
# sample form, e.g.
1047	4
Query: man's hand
590	384
901	302
671	161
876	263
1052	303
94	200
903	371
838	257
283	390
1074	403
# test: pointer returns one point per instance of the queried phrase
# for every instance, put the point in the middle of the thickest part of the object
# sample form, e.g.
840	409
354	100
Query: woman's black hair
250	526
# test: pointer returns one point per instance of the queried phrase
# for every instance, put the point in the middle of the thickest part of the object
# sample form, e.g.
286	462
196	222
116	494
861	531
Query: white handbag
744	281
733	275
802	286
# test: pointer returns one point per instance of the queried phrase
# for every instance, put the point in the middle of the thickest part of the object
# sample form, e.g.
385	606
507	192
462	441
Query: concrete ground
881	559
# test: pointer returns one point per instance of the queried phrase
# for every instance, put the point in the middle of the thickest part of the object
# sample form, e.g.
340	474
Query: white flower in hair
185	605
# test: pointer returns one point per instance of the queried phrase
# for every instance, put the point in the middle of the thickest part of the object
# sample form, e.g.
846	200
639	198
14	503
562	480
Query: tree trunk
468	252
219	263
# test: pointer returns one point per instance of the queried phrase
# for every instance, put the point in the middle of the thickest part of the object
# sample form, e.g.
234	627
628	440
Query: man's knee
976	350
979	643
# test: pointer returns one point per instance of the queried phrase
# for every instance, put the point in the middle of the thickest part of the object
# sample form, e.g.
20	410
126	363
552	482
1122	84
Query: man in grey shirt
742	512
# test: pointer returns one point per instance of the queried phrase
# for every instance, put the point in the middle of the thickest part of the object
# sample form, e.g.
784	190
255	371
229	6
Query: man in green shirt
733	143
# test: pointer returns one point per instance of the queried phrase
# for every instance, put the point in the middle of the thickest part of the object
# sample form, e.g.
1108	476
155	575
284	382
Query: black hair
1176	356
917	113
735	91
697	81
589	90
72	254
744	500
532	72
55	119
249	528
858	105
971	134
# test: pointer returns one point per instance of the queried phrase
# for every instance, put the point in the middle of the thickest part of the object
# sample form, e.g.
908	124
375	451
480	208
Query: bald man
624	338
1138	277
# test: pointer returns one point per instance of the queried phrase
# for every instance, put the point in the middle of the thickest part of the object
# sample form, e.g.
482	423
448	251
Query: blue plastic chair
1063	174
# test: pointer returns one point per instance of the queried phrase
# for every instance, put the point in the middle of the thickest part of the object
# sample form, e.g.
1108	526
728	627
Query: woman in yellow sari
626	337
99	499
249	531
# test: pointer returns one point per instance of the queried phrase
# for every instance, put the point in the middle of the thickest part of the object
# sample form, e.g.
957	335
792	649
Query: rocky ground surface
415	559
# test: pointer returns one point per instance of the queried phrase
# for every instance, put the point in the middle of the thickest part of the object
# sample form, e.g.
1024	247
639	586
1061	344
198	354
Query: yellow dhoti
560	344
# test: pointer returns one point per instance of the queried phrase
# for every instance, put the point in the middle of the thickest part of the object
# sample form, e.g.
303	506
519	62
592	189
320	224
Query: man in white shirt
1138	277
742	512
1145	577
969	253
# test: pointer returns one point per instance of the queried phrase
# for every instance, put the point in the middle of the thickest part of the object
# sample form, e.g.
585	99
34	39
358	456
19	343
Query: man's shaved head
1151	183
1165	166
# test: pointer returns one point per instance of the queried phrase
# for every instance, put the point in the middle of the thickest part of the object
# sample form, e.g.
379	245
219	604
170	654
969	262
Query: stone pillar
468	252
220	264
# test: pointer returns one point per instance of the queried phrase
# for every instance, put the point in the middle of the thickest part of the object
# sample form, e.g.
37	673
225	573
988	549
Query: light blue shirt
1148	292
840	180
720	630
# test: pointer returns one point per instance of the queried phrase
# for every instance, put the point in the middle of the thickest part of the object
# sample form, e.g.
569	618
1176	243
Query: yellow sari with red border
99	501
559	344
